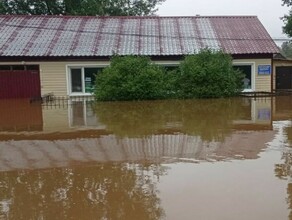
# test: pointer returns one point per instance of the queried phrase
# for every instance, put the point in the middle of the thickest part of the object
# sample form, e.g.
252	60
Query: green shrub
131	78
208	74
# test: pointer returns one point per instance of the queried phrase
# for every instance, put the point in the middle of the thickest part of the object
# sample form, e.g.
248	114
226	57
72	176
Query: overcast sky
268	11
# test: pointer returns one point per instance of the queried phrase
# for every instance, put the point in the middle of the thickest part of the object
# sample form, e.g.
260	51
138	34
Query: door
284	77
19	84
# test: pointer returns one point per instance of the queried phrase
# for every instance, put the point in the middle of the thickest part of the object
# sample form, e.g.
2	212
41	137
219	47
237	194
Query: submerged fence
49	100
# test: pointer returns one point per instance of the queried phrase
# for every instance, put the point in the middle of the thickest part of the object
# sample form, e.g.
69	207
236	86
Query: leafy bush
131	78
208	74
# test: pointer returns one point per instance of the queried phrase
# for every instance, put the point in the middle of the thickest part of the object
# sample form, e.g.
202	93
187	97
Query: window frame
69	78
253	76
86	119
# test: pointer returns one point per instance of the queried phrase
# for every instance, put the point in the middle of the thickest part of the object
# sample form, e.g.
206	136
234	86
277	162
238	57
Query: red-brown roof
53	36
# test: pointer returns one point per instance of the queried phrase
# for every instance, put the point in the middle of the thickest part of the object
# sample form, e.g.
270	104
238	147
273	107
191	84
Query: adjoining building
62	54
283	73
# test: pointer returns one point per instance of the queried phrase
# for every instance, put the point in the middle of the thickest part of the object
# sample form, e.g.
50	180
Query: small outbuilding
62	54
283	73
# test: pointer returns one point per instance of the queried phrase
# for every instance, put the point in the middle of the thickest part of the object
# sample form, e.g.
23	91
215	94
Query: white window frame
85	120
253	76
69	80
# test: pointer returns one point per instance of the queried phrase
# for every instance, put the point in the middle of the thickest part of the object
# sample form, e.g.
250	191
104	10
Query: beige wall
55	118
53	75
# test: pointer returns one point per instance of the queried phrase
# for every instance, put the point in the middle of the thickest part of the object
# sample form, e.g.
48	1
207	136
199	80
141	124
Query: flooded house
71	158
60	55
35	136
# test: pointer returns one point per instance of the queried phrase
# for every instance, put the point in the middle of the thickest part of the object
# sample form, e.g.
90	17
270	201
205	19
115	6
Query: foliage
287	28
80	7
208	74
95	191
131	78
287	2
286	49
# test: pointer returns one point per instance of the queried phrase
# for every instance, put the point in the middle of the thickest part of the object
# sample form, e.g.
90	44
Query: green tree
31	7
131	78
286	49
287	28
287	2
208	74
80	7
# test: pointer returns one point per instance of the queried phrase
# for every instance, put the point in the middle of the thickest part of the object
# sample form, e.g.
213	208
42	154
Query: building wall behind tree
54	75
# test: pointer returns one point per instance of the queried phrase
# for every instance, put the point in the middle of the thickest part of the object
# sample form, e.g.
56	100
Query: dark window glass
32	67
89	81
246	70
5	67
76	80
171	68
18	67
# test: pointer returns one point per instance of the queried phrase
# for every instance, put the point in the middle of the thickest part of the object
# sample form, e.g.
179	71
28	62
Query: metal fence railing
49	100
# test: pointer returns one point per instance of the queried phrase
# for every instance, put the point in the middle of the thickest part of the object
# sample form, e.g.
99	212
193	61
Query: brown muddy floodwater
228	159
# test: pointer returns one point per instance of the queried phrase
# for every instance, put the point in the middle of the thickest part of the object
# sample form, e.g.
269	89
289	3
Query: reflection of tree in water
108	191
284	170
289	134
210	119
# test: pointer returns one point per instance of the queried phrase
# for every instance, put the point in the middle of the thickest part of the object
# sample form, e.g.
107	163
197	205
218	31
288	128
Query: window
248	76
82	79
5	67
19	67
81	114
171	67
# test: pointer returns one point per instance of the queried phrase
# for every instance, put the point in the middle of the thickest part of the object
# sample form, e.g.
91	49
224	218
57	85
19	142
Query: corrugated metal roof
53	36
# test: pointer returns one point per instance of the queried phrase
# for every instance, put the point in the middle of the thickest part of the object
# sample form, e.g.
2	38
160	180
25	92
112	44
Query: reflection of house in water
258	114
282	108
36	154
70	116
81	114
20	115
73	134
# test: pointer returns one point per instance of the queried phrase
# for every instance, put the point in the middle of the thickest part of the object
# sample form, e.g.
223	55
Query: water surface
190	159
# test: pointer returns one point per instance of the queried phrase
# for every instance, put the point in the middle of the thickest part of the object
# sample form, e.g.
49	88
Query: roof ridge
134	17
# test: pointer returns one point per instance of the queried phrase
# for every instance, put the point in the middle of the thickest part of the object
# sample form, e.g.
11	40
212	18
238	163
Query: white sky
268	11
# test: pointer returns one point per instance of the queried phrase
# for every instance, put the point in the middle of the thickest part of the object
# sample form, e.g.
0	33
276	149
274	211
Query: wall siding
53	78
53	75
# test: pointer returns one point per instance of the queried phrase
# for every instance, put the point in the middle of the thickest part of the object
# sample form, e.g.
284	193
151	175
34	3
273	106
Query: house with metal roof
62	54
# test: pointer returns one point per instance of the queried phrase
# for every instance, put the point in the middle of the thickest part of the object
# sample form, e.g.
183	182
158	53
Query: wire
139	35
